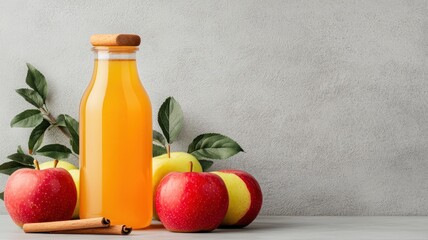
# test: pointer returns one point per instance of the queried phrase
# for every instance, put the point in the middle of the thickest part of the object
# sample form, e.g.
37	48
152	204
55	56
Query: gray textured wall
328	98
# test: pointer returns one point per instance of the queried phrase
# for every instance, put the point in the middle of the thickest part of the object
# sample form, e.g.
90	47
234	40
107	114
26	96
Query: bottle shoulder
124	94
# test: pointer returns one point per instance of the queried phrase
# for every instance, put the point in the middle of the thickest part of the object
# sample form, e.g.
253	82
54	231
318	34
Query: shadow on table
257	226
156	225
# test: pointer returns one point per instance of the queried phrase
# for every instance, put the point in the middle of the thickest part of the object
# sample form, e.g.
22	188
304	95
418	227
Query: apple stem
36	164
168	150
55	163
191	166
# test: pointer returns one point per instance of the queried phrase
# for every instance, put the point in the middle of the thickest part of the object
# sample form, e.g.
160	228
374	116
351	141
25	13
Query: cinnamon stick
112	230
66	225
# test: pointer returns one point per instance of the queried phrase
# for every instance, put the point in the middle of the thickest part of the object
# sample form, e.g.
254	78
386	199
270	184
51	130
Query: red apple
191	201
245	198
33	195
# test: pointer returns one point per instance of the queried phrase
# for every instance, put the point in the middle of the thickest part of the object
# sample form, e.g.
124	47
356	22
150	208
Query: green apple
61	164
177	162
75	173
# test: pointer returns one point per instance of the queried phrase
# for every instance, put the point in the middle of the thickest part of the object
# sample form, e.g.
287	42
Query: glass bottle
116	138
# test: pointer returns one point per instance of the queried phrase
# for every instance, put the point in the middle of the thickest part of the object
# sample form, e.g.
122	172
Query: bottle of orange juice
116	136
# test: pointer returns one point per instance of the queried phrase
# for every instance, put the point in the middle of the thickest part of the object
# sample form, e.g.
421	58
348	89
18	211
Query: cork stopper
115	40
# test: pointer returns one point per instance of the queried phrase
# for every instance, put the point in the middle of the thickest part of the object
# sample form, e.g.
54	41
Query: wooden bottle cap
115	40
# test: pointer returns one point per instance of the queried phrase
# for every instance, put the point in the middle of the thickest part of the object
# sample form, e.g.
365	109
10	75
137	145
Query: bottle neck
115	65
115	53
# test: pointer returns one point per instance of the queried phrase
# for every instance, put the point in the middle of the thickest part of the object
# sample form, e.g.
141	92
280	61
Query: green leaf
27	119
159	138
19	150
73	127
60	120
55	151
2	196
36	136
22	158
37	81
10	167
158	150
205	164
170	118
31	96
74	146
213	146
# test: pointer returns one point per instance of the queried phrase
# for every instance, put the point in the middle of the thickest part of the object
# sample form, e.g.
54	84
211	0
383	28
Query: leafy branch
205	147
41	120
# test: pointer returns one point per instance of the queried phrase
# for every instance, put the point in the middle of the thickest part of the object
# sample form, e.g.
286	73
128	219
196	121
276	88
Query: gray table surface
268	227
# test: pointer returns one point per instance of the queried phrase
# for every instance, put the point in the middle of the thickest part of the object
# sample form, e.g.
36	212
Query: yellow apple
178	162
61	164
245	198
75	173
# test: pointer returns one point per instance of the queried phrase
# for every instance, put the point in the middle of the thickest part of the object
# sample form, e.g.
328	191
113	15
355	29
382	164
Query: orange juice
116	141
